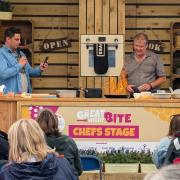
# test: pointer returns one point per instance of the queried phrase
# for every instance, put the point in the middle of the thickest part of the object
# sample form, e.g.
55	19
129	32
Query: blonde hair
27	140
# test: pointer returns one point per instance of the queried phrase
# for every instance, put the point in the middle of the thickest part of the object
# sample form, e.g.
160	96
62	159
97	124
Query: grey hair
141	36
168	172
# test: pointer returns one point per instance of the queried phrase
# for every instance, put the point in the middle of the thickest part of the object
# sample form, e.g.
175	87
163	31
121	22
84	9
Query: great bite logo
100	115
91	115
115	125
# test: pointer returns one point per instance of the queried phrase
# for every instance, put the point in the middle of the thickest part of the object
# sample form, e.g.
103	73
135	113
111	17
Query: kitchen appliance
117	96
101	55
92	92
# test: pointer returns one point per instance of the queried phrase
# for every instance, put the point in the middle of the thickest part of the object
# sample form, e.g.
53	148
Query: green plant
122	155
5	6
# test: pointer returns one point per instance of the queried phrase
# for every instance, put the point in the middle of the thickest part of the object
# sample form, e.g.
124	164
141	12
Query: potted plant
5	10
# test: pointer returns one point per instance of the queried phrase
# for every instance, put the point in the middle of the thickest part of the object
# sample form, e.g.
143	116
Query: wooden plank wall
100	17
58	18
53	19
155	14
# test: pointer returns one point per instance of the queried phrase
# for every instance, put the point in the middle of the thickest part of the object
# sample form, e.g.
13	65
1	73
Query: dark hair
9	32
174	125
48	122
141	36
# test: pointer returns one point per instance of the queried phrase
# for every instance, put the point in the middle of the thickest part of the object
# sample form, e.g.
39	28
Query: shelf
176	76
175	49
175	55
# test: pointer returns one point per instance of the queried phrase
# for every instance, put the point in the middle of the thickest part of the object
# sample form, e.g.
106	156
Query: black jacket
4	146
51	168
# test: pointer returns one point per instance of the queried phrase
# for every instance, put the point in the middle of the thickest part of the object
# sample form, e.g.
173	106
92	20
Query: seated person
63	144
4	149
171	172
173	153
143	68
30	157
162	148
4	146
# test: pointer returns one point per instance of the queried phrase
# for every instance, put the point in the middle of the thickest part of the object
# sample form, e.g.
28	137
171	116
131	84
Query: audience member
30	157
4	146
170	172
161	150
63	144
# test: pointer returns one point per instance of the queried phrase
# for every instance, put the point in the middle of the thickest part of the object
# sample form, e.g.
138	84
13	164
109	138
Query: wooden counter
10	107
113	176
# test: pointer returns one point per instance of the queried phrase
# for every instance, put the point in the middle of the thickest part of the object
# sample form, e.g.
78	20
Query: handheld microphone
19	55
18	50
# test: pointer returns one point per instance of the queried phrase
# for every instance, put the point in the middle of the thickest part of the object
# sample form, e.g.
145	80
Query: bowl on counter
176	95
162	95
67	93
143	95
137	95
176	91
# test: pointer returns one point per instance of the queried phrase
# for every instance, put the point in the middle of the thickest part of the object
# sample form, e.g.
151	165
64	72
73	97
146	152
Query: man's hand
145	87
43	66
22	61
130	88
